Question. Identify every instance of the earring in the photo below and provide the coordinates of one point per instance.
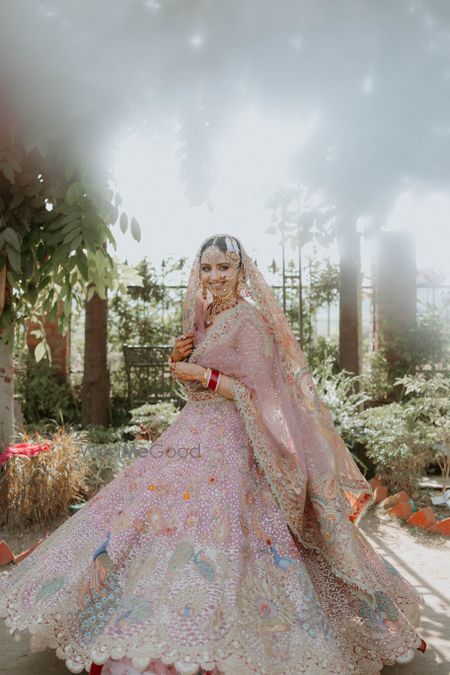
(241, 286)
(203, 291)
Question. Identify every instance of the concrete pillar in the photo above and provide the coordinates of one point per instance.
(394, 294)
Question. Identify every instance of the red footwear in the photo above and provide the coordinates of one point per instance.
(95, 669)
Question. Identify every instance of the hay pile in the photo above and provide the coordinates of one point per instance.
(34, 490)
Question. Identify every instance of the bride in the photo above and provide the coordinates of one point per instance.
(233, 545)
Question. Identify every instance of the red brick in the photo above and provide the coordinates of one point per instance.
(396, 499)
(423, 518)
(380, 493)
(401, 510)
(375, 482)
(6, 555)
(18, 558)
(442, 527)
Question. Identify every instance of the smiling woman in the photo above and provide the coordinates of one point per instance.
(244, 557)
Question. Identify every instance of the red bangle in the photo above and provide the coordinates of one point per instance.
(213, 379)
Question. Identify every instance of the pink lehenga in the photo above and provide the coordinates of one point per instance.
(233, 545)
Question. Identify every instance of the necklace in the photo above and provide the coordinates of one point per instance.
(220, 305)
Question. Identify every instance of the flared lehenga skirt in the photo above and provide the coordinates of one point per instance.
(185, 561)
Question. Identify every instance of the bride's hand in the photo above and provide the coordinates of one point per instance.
(187, 372)
(184, 345)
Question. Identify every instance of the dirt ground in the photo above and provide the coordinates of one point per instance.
(424, 559)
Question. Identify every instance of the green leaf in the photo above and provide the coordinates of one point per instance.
(77, 242)
(135, 229)
(70, 236)
(117, 199)
(16, 200)
(74, 225)
(123, 222)
(82, 264)
(91, 291)
(52, 313)
(61, 253)
(73, 194)
(10, 236)
(67, 305)
(39, 351)
(110, 236)
(14, 258)
(69, 217)
(9, 172)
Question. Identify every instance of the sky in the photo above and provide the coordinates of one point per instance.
(251, 158)
(200, 109)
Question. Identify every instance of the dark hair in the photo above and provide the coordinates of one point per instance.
(222, 245)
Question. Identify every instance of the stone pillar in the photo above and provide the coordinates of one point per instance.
(350, 327)
(394, 294)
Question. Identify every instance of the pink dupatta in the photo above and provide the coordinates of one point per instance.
(310, 470)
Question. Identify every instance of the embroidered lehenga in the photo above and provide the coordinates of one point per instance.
(233, 545)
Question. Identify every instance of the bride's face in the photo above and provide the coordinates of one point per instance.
(217, 274)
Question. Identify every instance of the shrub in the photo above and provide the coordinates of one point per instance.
(151, 419)
(394, 443)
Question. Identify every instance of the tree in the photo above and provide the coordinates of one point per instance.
(55, 224)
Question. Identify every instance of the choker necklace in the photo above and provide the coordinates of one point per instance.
(218, 306)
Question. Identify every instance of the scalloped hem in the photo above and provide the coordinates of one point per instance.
(233, 664)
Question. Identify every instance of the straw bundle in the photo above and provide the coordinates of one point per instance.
(34, 490)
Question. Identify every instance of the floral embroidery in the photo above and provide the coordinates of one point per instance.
(191, 520)
(204, 565)
(50, 588)
(379, 613)
(134, 609)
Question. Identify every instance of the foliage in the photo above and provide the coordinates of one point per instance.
(430, 404)
(99, 434)
(55, 223)
(403, 438)
(43, 395)
(394, 444)
(152, 419)
(103, 462)
(345, 399)
(148, 312)
(145, 313)
(425, 347)
(300, 216)
(320, 350)
(376, 378)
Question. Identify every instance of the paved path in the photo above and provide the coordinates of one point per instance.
(423, 559)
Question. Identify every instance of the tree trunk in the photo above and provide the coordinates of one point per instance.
(395, 297)
(95, 390)
(350, 340)
(6, 396)
(6, 373)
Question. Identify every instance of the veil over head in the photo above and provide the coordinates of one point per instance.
(309, 468)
